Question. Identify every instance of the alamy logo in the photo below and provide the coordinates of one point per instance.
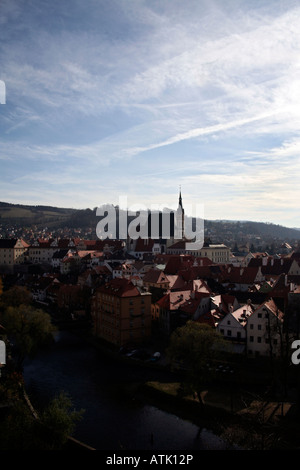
(2, 92)
(296, 354)
(189, 228)
(2, 353)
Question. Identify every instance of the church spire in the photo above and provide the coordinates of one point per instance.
(180, 218)
(180, 198)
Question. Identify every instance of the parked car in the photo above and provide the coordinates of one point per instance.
(155, 357)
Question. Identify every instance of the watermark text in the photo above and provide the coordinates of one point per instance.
(138, 221)
(2, 92)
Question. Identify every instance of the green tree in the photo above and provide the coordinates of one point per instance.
(21, 430)
(30, 328)
(194, 346)
(15, 296)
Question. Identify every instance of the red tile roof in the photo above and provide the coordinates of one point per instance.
(120, 287)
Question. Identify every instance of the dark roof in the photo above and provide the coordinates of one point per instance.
(8, 242)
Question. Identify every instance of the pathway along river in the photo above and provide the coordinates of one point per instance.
(112, 420)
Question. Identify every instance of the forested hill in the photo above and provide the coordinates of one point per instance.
(19, 215)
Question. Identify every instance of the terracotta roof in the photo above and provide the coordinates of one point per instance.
(278, 266)
(272, 307)
(155, 276)
(173, 300)
(191, 304)
(178, 262)
(120, 287)
(239, 275)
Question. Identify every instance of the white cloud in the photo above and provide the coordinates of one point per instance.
(163, 90)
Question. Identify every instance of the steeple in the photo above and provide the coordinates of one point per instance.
(180, 198)
(180, 217)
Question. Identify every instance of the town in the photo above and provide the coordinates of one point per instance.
(128, 289)
(133, 294)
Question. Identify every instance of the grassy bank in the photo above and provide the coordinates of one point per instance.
(235, 419)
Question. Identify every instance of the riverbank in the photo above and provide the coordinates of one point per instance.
(130, 399)
(257, 426)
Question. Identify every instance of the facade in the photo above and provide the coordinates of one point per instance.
(233, 325)
(217, 253)
(12, 251)
(156, 278)
(121, 313)
(264, 327)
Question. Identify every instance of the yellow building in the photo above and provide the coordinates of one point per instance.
(218, 253)
(12, 251)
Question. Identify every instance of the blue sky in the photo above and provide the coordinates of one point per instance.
(110, 98)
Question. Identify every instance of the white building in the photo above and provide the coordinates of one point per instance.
(233, 325)
(263, 330)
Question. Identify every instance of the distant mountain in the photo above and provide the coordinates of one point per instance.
(21, 216)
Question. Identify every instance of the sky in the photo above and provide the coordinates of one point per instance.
(102, 99)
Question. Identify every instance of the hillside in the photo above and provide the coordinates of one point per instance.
(21, 216)
(24, 215)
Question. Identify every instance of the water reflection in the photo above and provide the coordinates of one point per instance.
(112, 420)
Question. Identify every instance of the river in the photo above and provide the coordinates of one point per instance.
(112, 420)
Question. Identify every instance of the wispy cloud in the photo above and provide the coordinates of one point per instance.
(202, 93)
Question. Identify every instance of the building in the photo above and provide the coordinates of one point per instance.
(217, 253)
(156, 278)
(264, 329)
(13, 251)
(121, 313)
(233, 325)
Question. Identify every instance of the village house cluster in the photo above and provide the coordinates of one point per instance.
(131, 290)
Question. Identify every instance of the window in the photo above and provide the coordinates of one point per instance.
(251, 326)
(251, 339)
(259, 315)
(228, 322)
(259, 327)
(259, 339)
(228, 332)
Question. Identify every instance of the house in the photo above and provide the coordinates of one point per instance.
(13, 251)
(166, 311)
(233, 325)
(196, 306)
(156, 278)
(217, 253)
(121, 312)
(271, 267)
(242, 279)
(226, 303)
(42, 250)
(143, 246)
(93, 277)
(264, 327)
